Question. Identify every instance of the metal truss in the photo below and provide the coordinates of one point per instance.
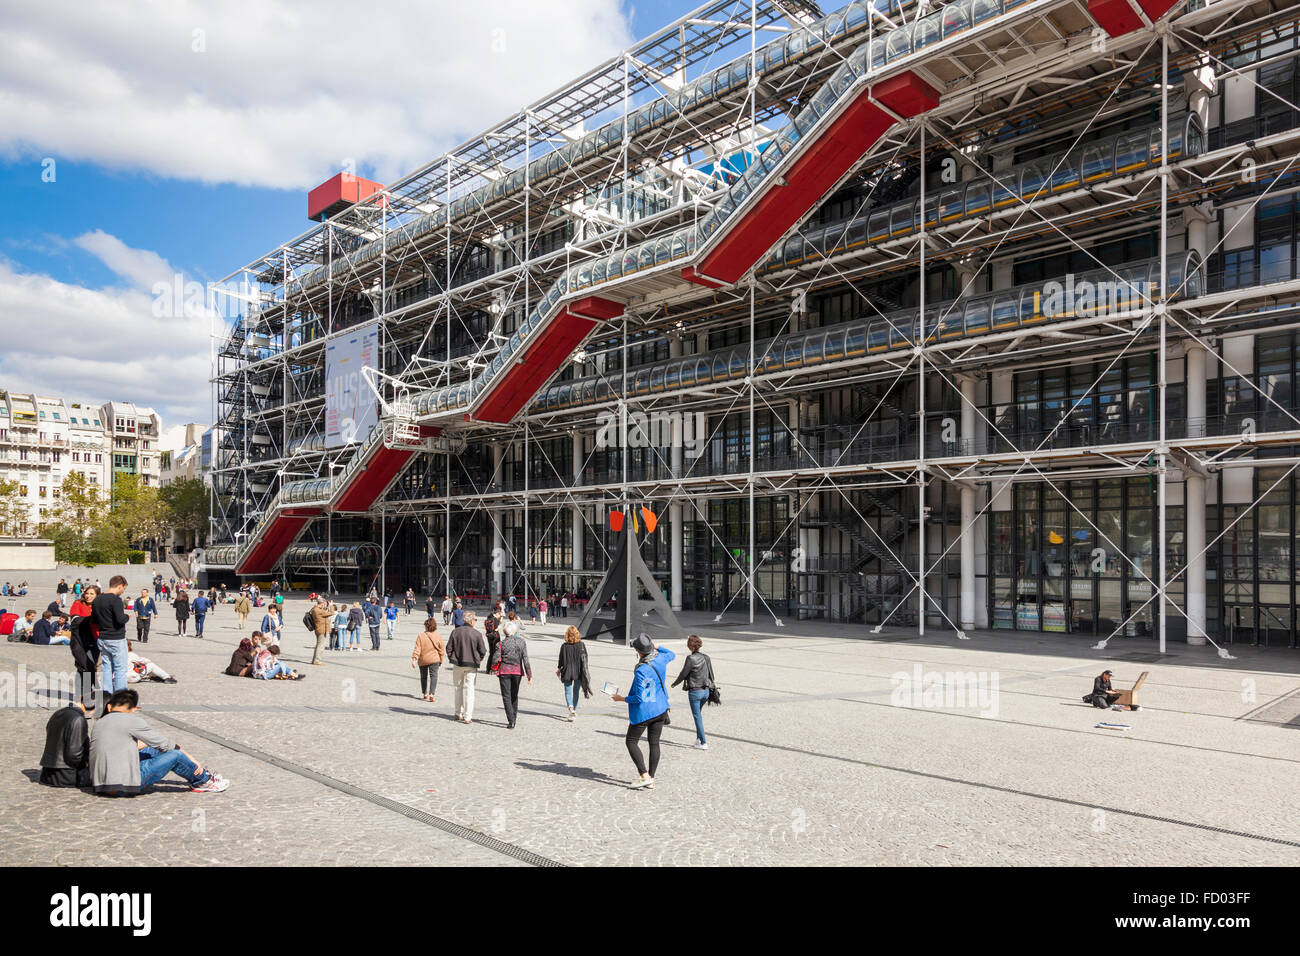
(1051, 83)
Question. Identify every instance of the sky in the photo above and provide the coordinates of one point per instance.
(150, 146)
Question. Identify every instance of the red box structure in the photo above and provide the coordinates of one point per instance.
(338, 193)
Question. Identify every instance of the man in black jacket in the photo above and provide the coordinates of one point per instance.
(465, 650)
(67, 748)
(110, 617)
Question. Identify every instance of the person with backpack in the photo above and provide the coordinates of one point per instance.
(572, 670)
(697, 674)
(202, 604)
(510, 664)
(182, 608)
(243, 607)
(647, 706)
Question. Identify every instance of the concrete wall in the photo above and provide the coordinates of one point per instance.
(26, 554)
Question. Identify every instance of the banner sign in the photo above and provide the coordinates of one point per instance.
(351, 408)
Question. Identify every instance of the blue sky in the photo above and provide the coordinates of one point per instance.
(184, 138)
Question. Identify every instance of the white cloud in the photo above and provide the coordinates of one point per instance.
(283, 92)
(107, 344)
(140, 267)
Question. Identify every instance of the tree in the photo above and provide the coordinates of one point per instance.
(137, 511)
(14, 510)
(188, 505)
(80, 525)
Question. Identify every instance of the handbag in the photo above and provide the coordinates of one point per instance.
(715, 695)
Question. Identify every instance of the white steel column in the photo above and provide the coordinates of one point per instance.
(499, 555)
(1194, 500)
(967, 508)
(678, 439)
(579, 542)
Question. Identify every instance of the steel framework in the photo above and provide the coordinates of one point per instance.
(891, 458)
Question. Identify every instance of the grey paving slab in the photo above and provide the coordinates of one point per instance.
(815, 758)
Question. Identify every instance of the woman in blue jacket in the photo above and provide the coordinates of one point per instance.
(647, 706)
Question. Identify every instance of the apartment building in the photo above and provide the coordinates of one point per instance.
(44, 439)
(132, 436)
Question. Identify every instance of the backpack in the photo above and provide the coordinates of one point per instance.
(309, 621)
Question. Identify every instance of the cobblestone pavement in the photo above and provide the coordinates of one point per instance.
(813, 759)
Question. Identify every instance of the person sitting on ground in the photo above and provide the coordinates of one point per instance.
(24, 626)
(49, 631)
(128, 756)
(142, 668)
(266, 666)
(67, 748)
(241, 661)
(1102, 696)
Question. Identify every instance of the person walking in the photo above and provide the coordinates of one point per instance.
(572, 670)
(542, 608)
(243, 607)
(62, 591)
(492, 632)
(410, 601)
(390, 620)
(564, 605)
(374, 618)
(202, 604)
(647, 706)
(182, 608)
(465, 650)
(511, 665)
(697, 675)
(428, 656)
(446, 610)
(145, 611)
(322, 618)
(85, 644)
(110, 618)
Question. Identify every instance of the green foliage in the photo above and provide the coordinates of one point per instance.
(14, 509)
(188, 504)
(87, 528)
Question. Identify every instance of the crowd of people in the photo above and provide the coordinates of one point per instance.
(95, 628)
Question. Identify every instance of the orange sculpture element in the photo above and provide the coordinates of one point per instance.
(651, 520)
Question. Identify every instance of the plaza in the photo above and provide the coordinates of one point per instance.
(813, 759)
